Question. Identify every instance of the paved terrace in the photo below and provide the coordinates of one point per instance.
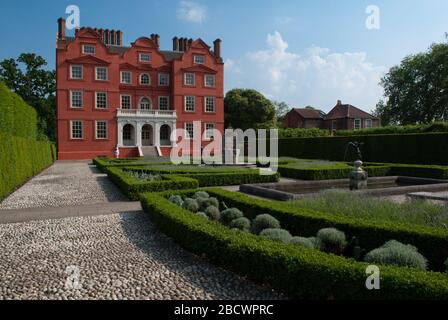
(71, 219)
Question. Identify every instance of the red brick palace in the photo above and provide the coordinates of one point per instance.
(130, 99)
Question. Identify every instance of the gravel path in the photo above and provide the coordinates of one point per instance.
(64, 184)
(121, 256)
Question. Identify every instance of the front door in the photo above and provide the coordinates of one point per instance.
(147, 135)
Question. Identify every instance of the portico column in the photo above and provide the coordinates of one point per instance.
(138, 139)
(173, 134)
(157, 134)
(120, 134)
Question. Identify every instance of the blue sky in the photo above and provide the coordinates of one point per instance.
(300, 52)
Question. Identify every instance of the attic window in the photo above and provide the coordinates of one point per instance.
(199, 59)
(145, 57)
(88, 49)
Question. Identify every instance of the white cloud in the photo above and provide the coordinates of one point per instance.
(319, 77)
(191, 11)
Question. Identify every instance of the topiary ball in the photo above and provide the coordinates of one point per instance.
(177, 200)
(202, 215)
(191, 204)
(229, 215)
(213, 213)
(204, 203)
(201, 194)
(264, 221)
(242, 224)
(279, 235)
(305, 242)
(398, 254)
(332, 240)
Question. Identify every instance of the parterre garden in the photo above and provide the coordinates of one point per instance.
(303, 251)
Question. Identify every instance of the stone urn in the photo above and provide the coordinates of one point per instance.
(358, 177)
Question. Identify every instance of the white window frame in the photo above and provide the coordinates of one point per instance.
(370, 123)
(168, 79)
(96, 130)
(121, 101)
(205, 80)
(71, 129)
(96, 73)
(71, 72)
(149, 79)
(141, 54)
(88, 45)
(198, 56)
(360, 124)
(185, 104)
(206, 136)
(121, 77)
(140, 102)
(185, 79)
(187, 133)
(167, 102)
(71, 99)
(205, 104)
(96, 100)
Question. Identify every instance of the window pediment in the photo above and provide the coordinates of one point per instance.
(88, 59)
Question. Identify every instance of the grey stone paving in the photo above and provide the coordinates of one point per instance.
(119, 256)
(64, 184)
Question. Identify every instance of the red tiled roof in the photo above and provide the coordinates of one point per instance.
(310, 113)
(347, 111)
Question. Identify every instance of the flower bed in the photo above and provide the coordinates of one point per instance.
(299, 271)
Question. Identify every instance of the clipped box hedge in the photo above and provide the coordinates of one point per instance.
(298, 271)
(21, 159)
(425, 148)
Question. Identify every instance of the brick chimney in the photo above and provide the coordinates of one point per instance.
(190, 42)
(339, 102)
(157, 40)
(113, 36)
(181, 44)
(61, 28)
(175, 44)
(119, 38)
(217, 48)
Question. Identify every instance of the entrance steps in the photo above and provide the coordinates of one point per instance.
(150, 151)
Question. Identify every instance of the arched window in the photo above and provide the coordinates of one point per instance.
(165, 133)
(145, 79)
(128, 135)
(145, 104)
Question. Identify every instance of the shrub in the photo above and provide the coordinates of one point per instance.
(279, 235)
(203, 215)
(191, 205)
(306, 242)
(213, 213)
(332, 240)
(399, 254)
(264, 221)
(201, 194)
(229, 215)
(177, 200)
(446, 265)
(242, 224)
(204, 203)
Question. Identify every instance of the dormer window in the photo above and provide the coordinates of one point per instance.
(199, 59)
(145, 57)
(88, 49)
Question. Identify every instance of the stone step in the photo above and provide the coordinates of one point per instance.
(150, 151)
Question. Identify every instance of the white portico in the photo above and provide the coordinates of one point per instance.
(142, 128)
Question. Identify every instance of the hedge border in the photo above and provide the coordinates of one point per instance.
(300, 272)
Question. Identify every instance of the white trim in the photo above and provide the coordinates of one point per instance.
(71, 129)
(140, 101)
(140, 79)
(185, 79)
(146, 54)
(360, 124)
(96, 130)
(71, 71)
(205, 80)
(121, 77)
(199, 56)
(368, 120)
(96, 100)
(158, 80)
(107, 74)
(88, 45)
(130, 100)
(185, 104)
(71, 99)
(186, 132)
(205, 104)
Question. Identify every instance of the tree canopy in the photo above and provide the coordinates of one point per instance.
(416, 91)
(247, 108)
(27, 77)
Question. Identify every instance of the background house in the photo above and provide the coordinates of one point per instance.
(341, 117)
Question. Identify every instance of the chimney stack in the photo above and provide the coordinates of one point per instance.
(113, 36)
(181, 44)
(61, 28)
(190, 42)
(157, 39)
(106, 36)
(339, 102)
(119, 38)
(175, 44)
(185, 44)
(217, 48)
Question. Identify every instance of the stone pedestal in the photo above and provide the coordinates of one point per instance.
(358, 177)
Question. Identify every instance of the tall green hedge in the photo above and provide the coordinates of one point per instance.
(426, 148)
(21, 159)
(16, 117)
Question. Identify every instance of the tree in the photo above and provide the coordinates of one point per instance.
(247, 108)
(416, 91)
(281, 109)
(26, 77)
